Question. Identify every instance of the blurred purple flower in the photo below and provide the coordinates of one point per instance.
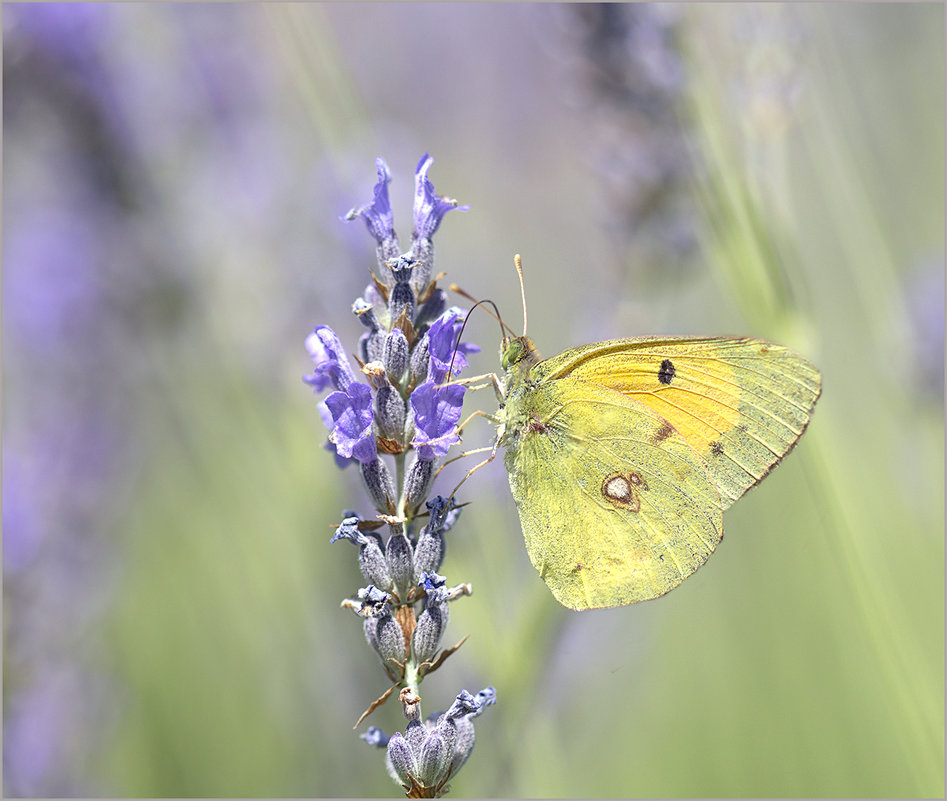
(352, 432)
(51, 258)
(436, 412)
(332, 365)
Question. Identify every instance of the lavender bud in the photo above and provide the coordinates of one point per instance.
(434, 760)
(371, 561)
(370, 628)
(402, 300)
(420, 360)
(463, 744)
(381, 488)
(395, 355)
(418, 482)
(400, 557)
(374, 338)
(402, 760)
(429, 630)
(390, 643)
(371, 558)
(431, 547)
(423, 252)
(388, 407)
(390, 413)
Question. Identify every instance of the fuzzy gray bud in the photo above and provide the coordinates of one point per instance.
(433, 761)
(390, 640)
(381, 488)
(401, 758)
(422, 250)
(417, 483)
(402, 300)
(400, 557)
(371, 558)
(429, 629)
(395, 355)
(373, 341)
(420, 360)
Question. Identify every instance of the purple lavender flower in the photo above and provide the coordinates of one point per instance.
(436, 412)
(332, 365)
(429, 208)
(378, 215)
(443, 346)
(352, 431)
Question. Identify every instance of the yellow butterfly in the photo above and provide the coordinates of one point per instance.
(623, 455)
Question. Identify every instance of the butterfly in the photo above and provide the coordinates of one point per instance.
(623, 455)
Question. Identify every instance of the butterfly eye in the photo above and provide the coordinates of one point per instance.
(512, 353)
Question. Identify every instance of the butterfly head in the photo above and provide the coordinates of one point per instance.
(518, 353)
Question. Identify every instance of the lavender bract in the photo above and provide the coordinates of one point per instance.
(404, 402)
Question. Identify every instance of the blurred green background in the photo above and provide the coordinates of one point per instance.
(173, 181)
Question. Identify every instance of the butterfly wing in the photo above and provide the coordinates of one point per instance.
(740, 403)
(615, 506)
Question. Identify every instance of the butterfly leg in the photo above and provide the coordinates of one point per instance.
(492, 418)
(472, 470)
(488, 379)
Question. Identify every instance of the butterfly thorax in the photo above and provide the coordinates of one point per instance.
(517, 357)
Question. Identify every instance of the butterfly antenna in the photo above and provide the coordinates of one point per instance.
(495, 314)
(518, 263)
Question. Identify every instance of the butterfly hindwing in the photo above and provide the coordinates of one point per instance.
(740, 403)
(615, 505)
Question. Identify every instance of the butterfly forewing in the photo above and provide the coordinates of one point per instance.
(740, 403)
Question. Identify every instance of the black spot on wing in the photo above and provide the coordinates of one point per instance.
(667, 371)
